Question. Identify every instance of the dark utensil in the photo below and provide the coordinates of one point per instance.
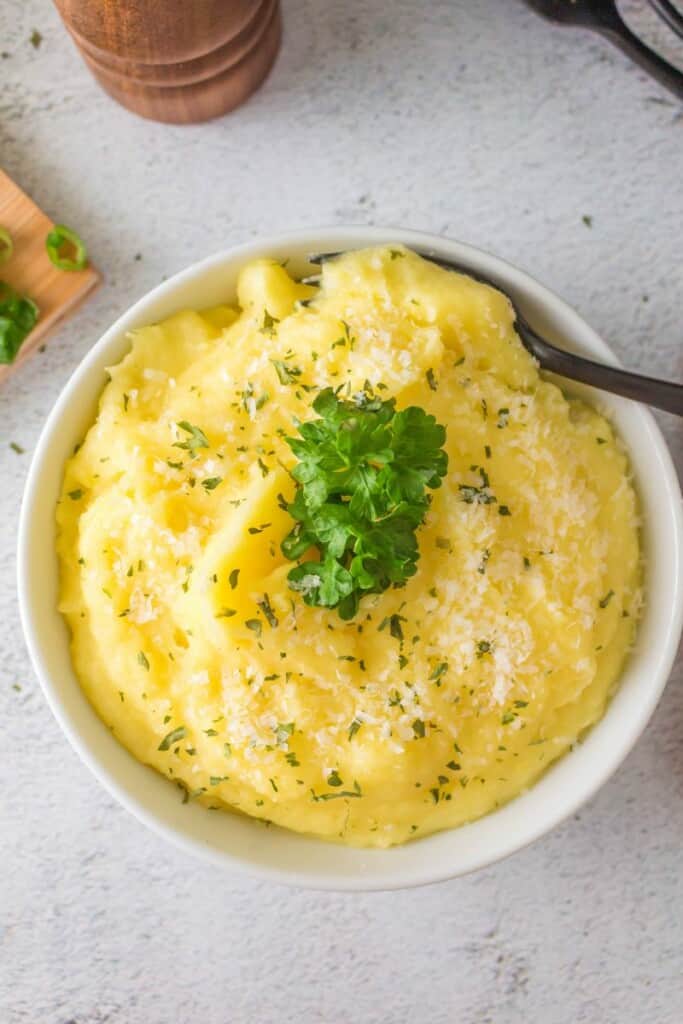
(661, 394)
(602, 16)
(669, 14)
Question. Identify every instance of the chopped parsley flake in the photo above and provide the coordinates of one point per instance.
(259, 529)
(439, 671)
(283, 730)
(172, 737)
(354, 727)
(268, 325)
(212, 483)
(197, 439)
(484, 647)
(286, 374)
(266, 608)
(394, 624)
(342, 794)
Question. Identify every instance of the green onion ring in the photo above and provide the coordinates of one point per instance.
(56, 238)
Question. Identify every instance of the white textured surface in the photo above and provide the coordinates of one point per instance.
(473, 119)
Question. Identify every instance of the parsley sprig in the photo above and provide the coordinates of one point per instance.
(362, 480)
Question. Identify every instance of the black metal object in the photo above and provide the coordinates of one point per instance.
(603, 16)
(673, 17)
(661, 394)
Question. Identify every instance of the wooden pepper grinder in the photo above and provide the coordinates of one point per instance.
(178, 61)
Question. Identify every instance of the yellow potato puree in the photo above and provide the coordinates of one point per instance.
(441, 699)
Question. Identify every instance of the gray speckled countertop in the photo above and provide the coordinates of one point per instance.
(473, 119)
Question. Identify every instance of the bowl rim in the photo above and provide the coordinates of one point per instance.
(512, 278)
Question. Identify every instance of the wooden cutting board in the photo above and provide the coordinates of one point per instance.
(29, 271)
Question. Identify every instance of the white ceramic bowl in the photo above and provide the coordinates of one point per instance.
(237, 842)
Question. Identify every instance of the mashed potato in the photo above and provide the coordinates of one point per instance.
(441, 700)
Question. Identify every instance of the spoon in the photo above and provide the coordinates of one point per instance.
(662, 394)
(666, 10)
(603, 16)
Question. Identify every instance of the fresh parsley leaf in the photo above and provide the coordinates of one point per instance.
(362, 476)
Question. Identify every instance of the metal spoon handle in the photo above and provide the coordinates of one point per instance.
(621, 35)
(666, 10)
(661, 394)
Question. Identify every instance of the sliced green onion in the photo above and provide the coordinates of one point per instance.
(18, 316)
(6, 245)
(62, 236)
